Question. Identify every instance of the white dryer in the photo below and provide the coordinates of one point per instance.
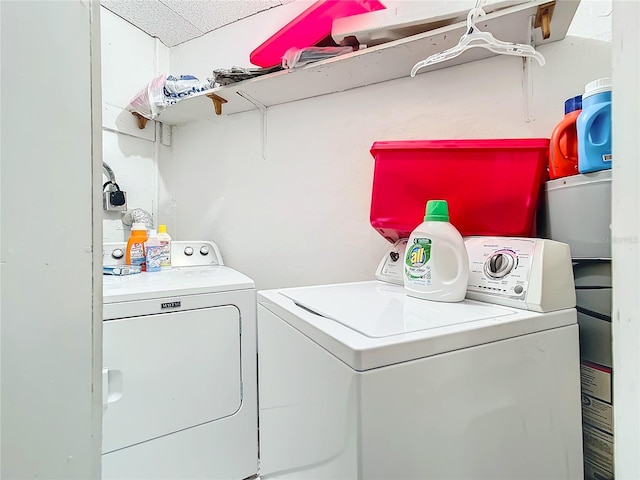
(179, 370)
(360, 381)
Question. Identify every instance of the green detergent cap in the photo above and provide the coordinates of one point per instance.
(437, 211)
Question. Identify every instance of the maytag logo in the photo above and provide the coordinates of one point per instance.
(170, 305)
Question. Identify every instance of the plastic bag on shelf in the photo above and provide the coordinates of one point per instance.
(177, 88)
(297, 57)
(163, 91)
(149, 101)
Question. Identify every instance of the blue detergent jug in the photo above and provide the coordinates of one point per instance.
(594, 127)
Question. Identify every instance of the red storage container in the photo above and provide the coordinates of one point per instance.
(308, 28)
(491, 186)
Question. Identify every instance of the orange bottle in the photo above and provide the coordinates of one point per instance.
(135, 254)
(563, 145)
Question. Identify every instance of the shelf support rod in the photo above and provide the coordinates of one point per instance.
(263, 111)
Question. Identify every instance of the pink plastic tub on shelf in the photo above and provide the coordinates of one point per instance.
(491, 186)
(308, 28)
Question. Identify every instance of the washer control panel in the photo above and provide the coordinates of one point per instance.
(528, 273)
(500, 266)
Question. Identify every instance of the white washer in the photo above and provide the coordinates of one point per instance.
(179, 370)
(360, 381)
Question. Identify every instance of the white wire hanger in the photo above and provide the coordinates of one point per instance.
(473, 37)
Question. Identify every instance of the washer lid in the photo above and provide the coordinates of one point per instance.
(383, 312)
(373, 324)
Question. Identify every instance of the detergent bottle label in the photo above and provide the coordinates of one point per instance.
(417, 260)
(166, 253)
(154, 258)
(137, 254)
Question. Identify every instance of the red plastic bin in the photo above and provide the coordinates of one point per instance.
(491, 186)
(308, 28)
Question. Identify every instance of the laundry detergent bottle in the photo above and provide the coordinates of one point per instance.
(436, 263)
(135, 254)
(563, 144)
(153, 252)
(165, 241)
(594, 127)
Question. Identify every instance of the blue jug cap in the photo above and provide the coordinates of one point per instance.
(573, 104)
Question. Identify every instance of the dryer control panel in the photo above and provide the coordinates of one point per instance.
(529, 273)
(183, 254)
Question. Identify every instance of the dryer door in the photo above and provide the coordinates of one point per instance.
(168, 372)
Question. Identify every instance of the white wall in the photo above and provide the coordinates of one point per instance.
(51, 229)
(593, 19)
(302, 215)
(626, 235)
(130, 59)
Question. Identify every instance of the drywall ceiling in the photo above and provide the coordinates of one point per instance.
(176, 21)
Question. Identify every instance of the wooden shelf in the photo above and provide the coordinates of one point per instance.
(377, 64)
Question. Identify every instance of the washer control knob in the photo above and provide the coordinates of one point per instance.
(518, 289)
(188, 251)
(499, 265)
(117, 253)
(204, 250)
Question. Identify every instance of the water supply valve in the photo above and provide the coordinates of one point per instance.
(113, 198)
